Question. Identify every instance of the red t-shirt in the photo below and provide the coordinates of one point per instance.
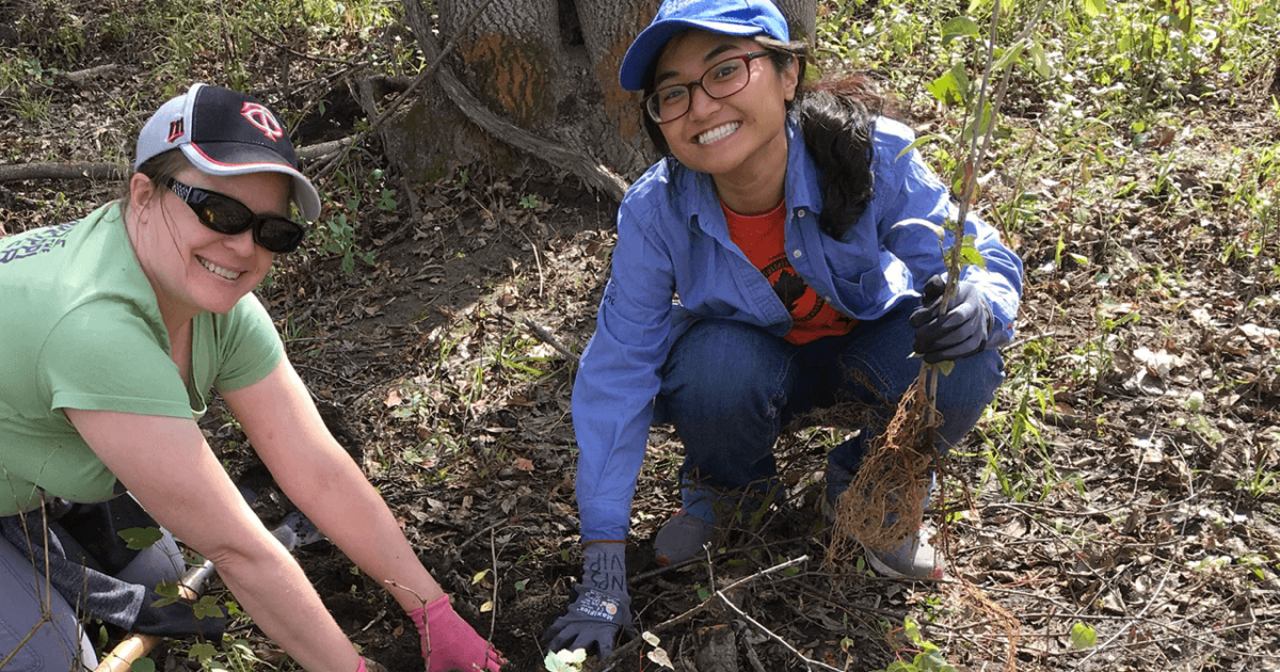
(763, 239)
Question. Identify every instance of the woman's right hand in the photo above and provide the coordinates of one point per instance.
(448, 642)
(175, 476)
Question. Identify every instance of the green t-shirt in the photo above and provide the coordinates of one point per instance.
(80, 328)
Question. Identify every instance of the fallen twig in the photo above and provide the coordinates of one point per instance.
(620, 652)
(810, 663)
(550, 339)
(61, 171)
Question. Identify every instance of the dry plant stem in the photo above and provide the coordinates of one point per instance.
(1141, 613)
(547, 337)
(809, 663)
(634, 644)
(60, 171)
(426, 635)
(46, 609)
(493, 613)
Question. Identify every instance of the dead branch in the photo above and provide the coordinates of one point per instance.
(809, 662)
(82, 78)
(325, 149)
(16, 172)
(577, 162)
(620, 653)
(550, 339)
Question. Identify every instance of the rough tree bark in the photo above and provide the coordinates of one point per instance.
(541, 76)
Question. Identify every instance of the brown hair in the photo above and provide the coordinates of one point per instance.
(158, 169)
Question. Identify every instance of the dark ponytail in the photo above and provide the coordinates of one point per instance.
(837, 121)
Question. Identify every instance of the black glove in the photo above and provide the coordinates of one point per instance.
(961, 331)
(603, 606)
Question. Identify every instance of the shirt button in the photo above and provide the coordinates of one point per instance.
(797, 254)
(800, 212)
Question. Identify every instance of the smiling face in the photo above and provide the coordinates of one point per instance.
(193, 268)
(739, 140)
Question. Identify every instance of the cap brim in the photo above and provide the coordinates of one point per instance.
(648, 45)
(236, 158)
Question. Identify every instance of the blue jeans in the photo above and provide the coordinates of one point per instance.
(61, 644)
(729, 388)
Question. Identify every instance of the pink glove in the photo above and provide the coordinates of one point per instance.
(448, 642)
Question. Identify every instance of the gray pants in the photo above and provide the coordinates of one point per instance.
(60, 643)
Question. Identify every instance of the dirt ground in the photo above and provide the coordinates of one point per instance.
(1123, 484)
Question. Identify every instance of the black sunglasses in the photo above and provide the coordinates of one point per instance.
(231, 217)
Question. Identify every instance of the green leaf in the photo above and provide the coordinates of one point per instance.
(1093, 8)
(479, 576)
(203, 652)
(141, 538)
(207, 607)
(1039, 60)
(961, 26)
(947, 89)
(168, 592)
(1010, 56)
(143, 665)
(565, 660)
(1083, 636)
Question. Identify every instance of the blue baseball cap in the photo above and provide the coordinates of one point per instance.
(742, 18)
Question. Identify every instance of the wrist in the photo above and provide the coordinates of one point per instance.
(434, 611)
(594, 542)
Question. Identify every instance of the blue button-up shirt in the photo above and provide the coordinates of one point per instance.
(675, 263)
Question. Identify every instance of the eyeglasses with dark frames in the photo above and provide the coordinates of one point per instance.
(721, 80)
(228, 216)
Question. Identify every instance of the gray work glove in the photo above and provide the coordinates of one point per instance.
(603, 606)
(961, 331)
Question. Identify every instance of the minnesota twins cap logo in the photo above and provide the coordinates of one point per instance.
(262, 119)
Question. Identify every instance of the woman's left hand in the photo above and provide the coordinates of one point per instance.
(448, 642)
(961, 331)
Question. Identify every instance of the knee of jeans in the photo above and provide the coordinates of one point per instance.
(961, 403)
(159, 563)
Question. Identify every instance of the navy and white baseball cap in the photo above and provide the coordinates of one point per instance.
(225, 132)
(741, 18)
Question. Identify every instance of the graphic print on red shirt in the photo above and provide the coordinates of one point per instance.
(763, 239)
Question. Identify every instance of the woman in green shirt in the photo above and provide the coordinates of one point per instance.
(115, 329)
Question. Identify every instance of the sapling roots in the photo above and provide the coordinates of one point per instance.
(884, 504)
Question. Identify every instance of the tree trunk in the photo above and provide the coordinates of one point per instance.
(542, 77)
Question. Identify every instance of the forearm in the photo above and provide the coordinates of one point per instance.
(270, 586)
(355, 518)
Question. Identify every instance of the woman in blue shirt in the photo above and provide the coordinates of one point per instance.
(766, 267)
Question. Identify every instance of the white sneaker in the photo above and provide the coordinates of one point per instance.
(914, 559)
